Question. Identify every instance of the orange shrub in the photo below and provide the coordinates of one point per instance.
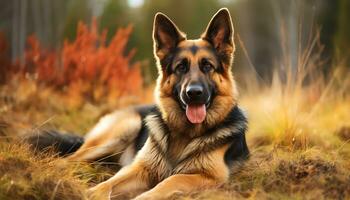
(87, 67)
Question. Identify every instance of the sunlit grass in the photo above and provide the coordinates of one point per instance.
(25, 176)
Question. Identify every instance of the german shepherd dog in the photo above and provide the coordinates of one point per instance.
(193, 136)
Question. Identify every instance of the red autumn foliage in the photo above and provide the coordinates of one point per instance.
(39, 62)
(87, 67)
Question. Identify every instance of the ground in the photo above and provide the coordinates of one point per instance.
(298, 137)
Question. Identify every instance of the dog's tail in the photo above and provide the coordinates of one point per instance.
(62, 143)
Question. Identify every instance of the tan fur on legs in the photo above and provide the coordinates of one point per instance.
(177, 183)
(111, 135)
(130, 180)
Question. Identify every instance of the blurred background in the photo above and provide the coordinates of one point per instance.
(99, 52)
(260, 25)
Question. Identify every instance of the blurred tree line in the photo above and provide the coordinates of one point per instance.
(262, 26)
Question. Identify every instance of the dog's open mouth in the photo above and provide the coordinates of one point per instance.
(196, 113)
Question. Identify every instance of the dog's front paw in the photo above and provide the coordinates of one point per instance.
(99, 193)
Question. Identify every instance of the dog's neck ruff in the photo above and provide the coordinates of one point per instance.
(233, 126)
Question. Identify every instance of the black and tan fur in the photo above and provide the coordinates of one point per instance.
(161, 152)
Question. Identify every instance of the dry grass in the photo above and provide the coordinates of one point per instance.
(24, 176)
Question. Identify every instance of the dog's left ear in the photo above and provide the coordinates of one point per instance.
(219, 33)
(166, 35)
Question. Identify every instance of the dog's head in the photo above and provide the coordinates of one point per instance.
(195, 84)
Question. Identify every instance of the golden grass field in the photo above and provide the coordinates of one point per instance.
(299, 138)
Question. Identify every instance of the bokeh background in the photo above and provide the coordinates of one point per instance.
(261, 25)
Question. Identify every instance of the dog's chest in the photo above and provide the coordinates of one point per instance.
(169, 155)
(177, 157)
(176, 147)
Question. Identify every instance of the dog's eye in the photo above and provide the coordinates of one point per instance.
(181, 68)
(206, 66)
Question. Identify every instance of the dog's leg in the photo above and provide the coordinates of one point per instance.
(130, 180)
(179, 183)
(214, 172)
(111, 135)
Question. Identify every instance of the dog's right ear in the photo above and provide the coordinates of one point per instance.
(166, 36)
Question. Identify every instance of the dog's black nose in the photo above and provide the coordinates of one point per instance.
(194, 90)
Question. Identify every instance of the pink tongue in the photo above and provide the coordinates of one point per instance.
(196, 113)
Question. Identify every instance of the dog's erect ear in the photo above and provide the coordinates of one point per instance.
(219, 33)
(166, 35)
